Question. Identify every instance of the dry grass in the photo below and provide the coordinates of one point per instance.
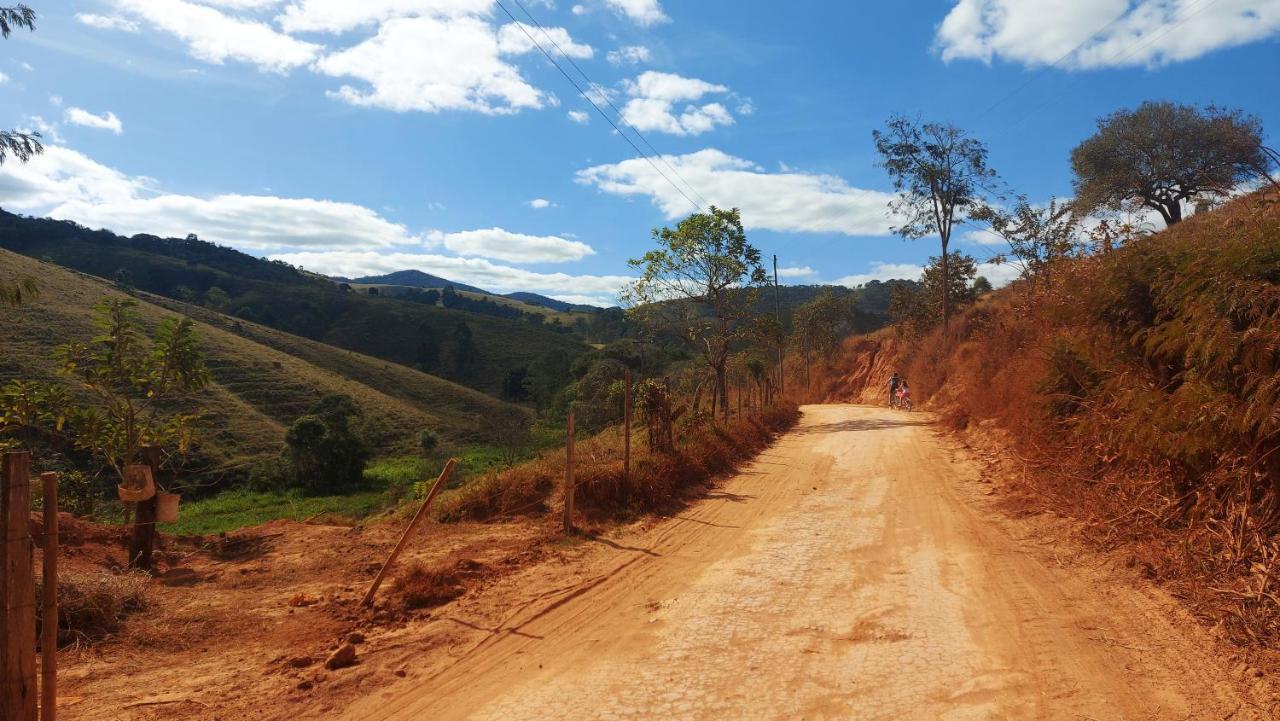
(1141, 395)
(656, 480)
(92, 605)
(419, 586)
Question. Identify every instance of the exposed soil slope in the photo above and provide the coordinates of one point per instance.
(858, 569)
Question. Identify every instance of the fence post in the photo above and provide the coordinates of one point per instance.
(626, 429)
(49, 593)
(568, 478)
(404, 537)
(17, 555)
(144, 517)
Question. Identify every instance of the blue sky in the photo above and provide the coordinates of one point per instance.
(360, 137)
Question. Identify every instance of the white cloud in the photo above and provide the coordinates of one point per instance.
(579, 10)
(431, 64)
(107, 22)
(3, 78)
(788, 201)
(63, 183)
(1109, 33)
(1000, 275)
(654, 96)
(215, 37)
(514, 39)
(500, 244)
(800, 272)
(473, 271)
(629, 55)
(47, 130)
(337, 16)
(541, 203)
(644, 13)
(109, 121)
(580, 117)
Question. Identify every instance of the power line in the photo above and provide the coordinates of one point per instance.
(587, 97)
(603, 94)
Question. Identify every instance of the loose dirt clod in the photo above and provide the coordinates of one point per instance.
(345, 656)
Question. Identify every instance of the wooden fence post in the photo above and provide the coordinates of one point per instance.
(404, 537)
(49, 593)
(626, 429)
(17, 555)
(144, 517)
(568, 478)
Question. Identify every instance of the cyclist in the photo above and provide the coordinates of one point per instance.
(904, 395)
(893, 390)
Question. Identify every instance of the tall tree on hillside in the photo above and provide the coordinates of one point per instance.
(941, 176)
(1038, 236)
(918, 308)
(465, 354)
(819, 325)
(701, 283)
(21, 145)
(1164, 154)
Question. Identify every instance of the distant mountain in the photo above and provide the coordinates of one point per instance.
(417, 279)
(559, 306)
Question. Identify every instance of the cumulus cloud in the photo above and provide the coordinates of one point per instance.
(107, 121)
(541, 203)
(215, 37)
(797, 272)
(1000, 274)
(654, 99)
(433, 64)
(337, 16)
(580, 117)
(500, 244)
(629, 55)
(473, 271)
(1102, 33)
(645, 13)
(517, 38)
(107, 22)
(785, 201)
(64, 183)
(3, 78)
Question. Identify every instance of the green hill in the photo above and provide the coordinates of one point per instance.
(262, 378)
(277, 295)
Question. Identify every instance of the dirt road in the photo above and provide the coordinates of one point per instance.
(857, 570)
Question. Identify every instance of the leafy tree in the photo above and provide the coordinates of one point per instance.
(1164, 154)
(20, 145)
(427, 355)
(324, 449)
(465, 354)
(940, 175)
(819, 325)
(548, 373)
(428, 441)
(1038, 237)
(918, 308)
(981, 286)
(134, 384)
(515, 385)
(701, 283)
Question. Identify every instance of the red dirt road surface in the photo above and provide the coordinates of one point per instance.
(857, 570)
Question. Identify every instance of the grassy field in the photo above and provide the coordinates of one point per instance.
(262, 378)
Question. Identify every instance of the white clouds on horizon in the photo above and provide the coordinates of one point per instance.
(1102, 33)
(645, 13)
(1000, 274)
(786, 201)
(84, 118)
(107, 22)
(499, 244)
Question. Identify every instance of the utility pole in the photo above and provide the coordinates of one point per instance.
(777, 316)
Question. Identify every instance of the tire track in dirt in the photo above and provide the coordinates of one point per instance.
(850, 572)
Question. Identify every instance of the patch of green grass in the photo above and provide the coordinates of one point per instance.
(234, 509)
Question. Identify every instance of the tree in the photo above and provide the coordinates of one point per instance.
(134, 385)
(427, 354)
(701, 282)
(819, 325)
(21, 145)
(916, 309)
(465, 354)
(1164, 154)
(324, 450)
(1038, 237)
(515, 385)
(940, 175)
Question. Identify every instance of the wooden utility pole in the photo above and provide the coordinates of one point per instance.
(626, 428)
(49, 594)
(404, 537)
(17, 586)
(568, 477)
(144, 516)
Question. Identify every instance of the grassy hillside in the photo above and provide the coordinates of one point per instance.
(263, 378)
(1139, 391)
(292, 300)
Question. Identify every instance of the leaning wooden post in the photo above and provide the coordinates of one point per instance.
(404, 537)
(626, 428)
(568, 478)
(17, 555)
(49, 593)
(144, 517)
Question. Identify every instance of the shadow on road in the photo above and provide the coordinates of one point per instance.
(862, 424)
